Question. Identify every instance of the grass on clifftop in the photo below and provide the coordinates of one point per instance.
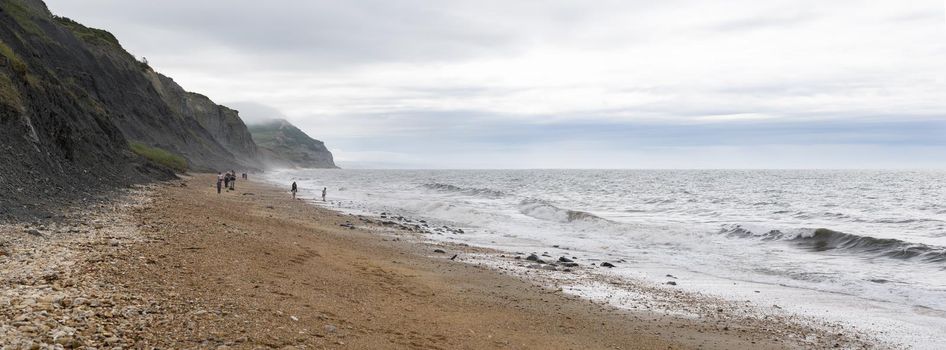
(90, 35)
(160, 156)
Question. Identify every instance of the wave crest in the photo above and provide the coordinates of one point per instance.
(544, 211)
(486, 192)
(823, 239)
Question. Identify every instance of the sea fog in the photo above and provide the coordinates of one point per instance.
(865, 243)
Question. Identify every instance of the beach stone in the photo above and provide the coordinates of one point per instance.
(330, 328)
(565, 260)
(607, 264)
(441, 251)
(672, 283)
(533, 257)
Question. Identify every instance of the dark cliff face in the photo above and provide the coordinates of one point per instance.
(222, 124)
(283, 145)
(71, 100)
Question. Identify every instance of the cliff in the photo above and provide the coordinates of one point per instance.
(283, 145)
(73, 101)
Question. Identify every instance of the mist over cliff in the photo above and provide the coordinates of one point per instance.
(281, 144)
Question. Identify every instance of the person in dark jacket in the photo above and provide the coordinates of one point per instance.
(294, 190)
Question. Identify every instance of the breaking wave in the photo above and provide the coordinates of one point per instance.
(544, 211)
(824, 240)
(486, 192)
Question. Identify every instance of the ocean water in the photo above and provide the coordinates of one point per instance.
(838, 240)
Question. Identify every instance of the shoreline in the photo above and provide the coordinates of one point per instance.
(176, 265)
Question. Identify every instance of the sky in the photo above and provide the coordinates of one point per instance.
(564, 83)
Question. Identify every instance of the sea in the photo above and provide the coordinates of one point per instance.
(865, 248)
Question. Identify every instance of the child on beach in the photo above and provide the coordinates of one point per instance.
(293, 190)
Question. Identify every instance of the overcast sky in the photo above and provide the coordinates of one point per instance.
(565, 84)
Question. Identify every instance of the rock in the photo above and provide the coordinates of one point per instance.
(439, 251)
(67, 342)
(454, 257)
(34, 232)
(533, 257)
(671, 276)
(294, 318)
(50, 276)
(565, 260)
(607, 264)
(672, 283)
(330, 328)
(571, 264)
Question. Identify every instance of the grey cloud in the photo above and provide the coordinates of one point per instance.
(336, 68)
(765, 21)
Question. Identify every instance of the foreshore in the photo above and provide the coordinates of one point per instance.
(176, 265)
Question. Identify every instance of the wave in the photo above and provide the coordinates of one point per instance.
(486, 192)
(824, 240)
(544, 211)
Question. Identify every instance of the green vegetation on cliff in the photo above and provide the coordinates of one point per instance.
(8, 94)
(90, 35)
(22, 15)
(160, 156)
(15, 62)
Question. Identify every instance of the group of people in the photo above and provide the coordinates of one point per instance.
(295, 188)
(227, 180)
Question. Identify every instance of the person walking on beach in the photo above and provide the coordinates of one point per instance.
(293, 190)
(232, 179)
(323, 193)
(219, 181)
(226, 181)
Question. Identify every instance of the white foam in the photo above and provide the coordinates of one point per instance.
(658, 229)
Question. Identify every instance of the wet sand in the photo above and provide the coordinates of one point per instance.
(176, 265)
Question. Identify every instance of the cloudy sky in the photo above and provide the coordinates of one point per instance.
(565, 83)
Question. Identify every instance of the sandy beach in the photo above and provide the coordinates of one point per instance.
(176, 265)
